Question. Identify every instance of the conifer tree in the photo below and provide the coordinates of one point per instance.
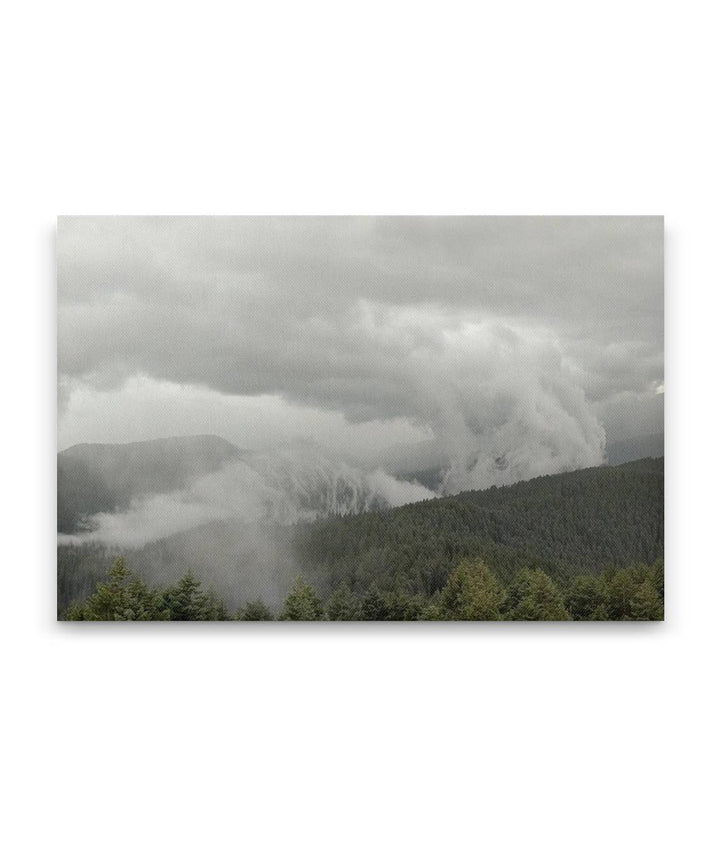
(374, 607)
(621, 590)
(657, 576)
(254, 610)
(533, 596)
(302, 604)
(343, 605)
(123, 597)
(433, 609)
(186, 601)
(401, 606)
(585, 597)
(472, 593)
(645, 603)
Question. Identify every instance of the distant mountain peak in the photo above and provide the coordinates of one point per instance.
(105, 477)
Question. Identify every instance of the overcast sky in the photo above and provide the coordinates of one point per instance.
(360, 332)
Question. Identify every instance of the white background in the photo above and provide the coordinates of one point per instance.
(356, 740)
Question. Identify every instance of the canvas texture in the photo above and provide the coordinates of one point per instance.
(334, 419)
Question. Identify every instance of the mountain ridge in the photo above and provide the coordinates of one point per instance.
(106, 477)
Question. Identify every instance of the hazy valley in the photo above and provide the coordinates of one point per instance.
(249, 524)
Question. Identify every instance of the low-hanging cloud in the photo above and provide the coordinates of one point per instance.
(499, 398)
(291, 484)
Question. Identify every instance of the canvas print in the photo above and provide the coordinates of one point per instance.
(360, 419)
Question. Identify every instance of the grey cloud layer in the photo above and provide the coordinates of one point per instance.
(218, 300)
(488, 330)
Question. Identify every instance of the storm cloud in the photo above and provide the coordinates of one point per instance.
(511, 346)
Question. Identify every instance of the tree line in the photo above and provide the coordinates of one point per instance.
(472, 593)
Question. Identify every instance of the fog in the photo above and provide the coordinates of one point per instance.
(231, 525)
(285, 486)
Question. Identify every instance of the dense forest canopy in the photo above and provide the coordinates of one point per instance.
(472, 593)
(584, 545)
(579, 522)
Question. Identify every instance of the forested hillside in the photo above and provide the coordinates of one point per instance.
(565, 524)
(577, 533)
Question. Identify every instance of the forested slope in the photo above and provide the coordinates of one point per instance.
(565, 524)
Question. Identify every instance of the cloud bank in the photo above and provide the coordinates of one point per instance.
(511, 343)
